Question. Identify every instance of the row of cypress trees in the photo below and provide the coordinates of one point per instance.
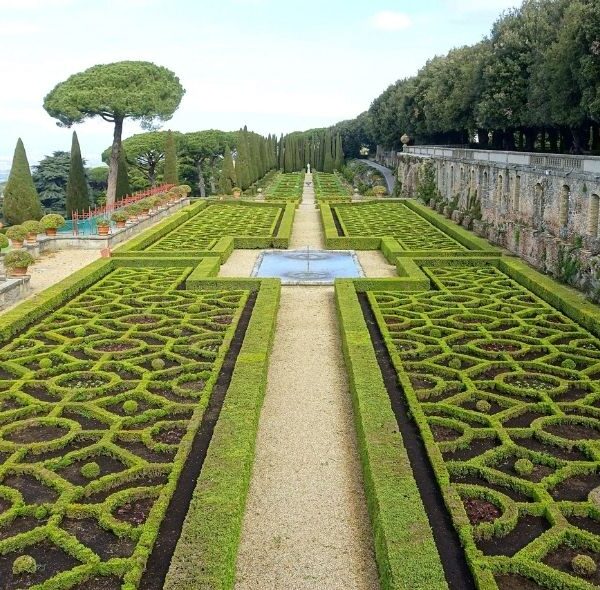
(320, 148)
(21, 199)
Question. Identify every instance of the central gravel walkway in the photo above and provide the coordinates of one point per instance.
(306, 524)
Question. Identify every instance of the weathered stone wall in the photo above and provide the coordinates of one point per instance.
(548, 213)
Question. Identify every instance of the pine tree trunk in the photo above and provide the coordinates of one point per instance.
(543, 141)
(553, 136)
(201, 185)
(152, 175)
(113, 167)
(530, 137)
(483, 138)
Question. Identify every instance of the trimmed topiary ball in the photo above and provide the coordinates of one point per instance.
(130, 407)
(435, 333)
(568, 364)
(45, 363)
(90, 470)
(127, 291)
(41, 512)
(523, 467)
(506, 309)
(158, 364)
(24, 564)
(455, 364)
(194, 308)
(483, 406)
(177, 332)
(79, 331)
(584, 565)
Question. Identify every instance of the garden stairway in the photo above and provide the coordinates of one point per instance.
(306, 524)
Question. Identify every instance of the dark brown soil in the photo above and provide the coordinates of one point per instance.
(21, 524)
(39, 392)
(171, 435)
(538, 473)
(118, 408)
(107, 465)
(196, 386)
(561, 557)
(150, 340)
(500, 347)
(573, 431)
(528, 528)
(136, 512)
(479, 510)
(516, 582)
(76, 444)
(104, 543)
(576, 489)
(114, 347)
(533, 444)
(51, 560)
(477, 447)
(492, 372)
(4, 505)
(141, 450)
(585, 523)
(522, 421)
(35, 433)
(419, 383)
(443, 433)
(33, 491)
(141, 319)
(480, 481)
(494, 407)
(87, 422)
(149, 481)
(573, 394)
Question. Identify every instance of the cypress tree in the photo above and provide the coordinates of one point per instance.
(21, 201)
(122, 177)
(281, 154)
(339, 152)
(227, 179)
(241, 165)
(170, 174)
(78, 196)
(328, 156)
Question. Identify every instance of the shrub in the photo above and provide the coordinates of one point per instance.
(90, 470)
(32, 227)
(130, 406)
(103, 222)
(79, 331)
(45, 363)
(17, 233)
(18, 259)
(185, 189)
(523, 467)
(483, 406)
(119, 215)
(158, 364)
(455, 363)
(583, 565)
(3, 241)
(24, 564)
(379, 191)
(435, 333)
(569, 364)
(52, 221)
(41, 512)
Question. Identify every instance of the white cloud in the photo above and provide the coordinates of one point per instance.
(388, 20)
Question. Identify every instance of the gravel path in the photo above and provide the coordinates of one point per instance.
(374, 264)
(239, 264)
(306, 525)
(390, 179)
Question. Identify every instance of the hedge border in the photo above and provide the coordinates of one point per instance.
(405, 550)
(213, 524)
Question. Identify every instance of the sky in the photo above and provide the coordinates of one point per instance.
(276, 66)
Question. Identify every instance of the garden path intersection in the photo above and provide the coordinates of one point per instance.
(170, 420)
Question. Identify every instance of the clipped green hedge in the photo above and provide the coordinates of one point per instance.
(212, 529)
(404, 547)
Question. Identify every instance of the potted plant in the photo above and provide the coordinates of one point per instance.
(3, 241)
(103, 226)
(17, 235)
(144, 207)
(237, 191)
(17, 261)
(184, 189)
(33, 228)
(133, 211)
(51, 223)
(120, 218)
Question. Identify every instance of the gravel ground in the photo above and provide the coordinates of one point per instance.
(239, 264)
(306, 524)
(374, 264)
(52, 267)
(307, 230)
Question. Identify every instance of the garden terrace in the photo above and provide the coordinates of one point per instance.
(504, 390)
(330, 188)
(286, 187)
(105, 382)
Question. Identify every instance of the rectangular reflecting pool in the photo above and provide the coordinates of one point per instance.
(308, 267)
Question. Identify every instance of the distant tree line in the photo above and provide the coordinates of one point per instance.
(321, 148)
(533, 84)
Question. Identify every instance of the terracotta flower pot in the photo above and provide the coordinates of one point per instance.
(31, 239)
(51, 232)
(103, 230)
(145, 211)
(20, 271)
(121, 224)
(16, 244)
